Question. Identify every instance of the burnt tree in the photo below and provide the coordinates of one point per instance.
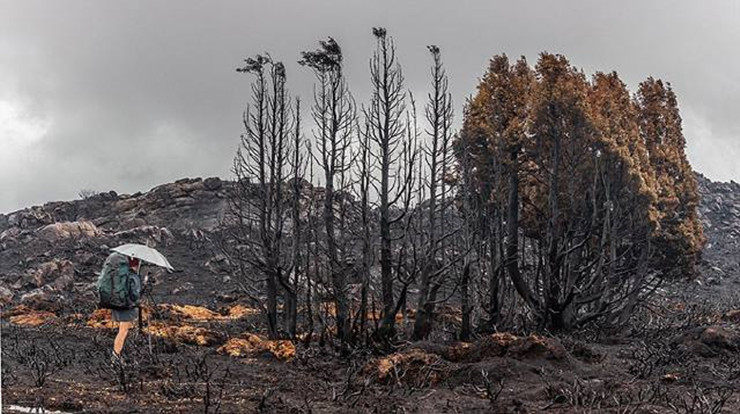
(258, 205)
(386, 130)
(334, 114)
(437, 155)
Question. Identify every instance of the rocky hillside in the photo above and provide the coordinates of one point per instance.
(720, 215)
(52, 253)
(183, 205)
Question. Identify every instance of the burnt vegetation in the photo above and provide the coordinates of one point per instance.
(562, 201)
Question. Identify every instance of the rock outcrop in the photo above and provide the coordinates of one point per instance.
(68, 230)
(58, 273)
(6, 295)
(719, 210)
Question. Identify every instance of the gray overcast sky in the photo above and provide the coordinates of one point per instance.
(129, 95)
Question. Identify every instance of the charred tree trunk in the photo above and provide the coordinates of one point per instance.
(384, 117)
(259, 165)
(334, 113)
(465, 329)
(272, 313)
(438, 113)
(297, 167)
(367, 253)
(512, 235)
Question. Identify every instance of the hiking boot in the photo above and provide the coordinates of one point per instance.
(115, 359)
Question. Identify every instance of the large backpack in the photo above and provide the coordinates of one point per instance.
(118, 287)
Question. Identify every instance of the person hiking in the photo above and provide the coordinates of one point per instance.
(119, 288)
(126, 317)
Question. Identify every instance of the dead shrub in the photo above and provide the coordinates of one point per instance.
(186, 334)
(413, 367)
(719, 337)
(494, 345)
(456, 352)
(701, 400)
(535, 347)
(505, 344)
(581, 394)
(42, 358)
(250, 345)
(584, 352)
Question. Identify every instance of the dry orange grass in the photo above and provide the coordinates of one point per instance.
(101, 319)
(18, 310)
(187, 334)
(25, 316)
(203, 314)
(34, 318)
(174, 322)
(504, 338)
(188, 312)
(241, 311)
(250, 345)
(535, 346)
(413, 366)
(75, 319)
(458, 351)
(505, 344)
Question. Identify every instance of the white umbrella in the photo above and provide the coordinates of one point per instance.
(144, 253)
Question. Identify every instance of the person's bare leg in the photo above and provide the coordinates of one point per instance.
(123, 328)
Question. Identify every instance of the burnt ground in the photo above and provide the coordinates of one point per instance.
(682, 354)
(680, 358)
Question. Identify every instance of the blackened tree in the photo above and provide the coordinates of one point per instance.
(334, 114)
(258, 207)
(385, 118)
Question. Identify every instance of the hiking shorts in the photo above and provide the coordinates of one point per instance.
(127, 315)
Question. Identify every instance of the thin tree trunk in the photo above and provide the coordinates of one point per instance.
(512, 236)
(465, 330)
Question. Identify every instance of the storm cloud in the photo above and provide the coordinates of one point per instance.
(129, 95)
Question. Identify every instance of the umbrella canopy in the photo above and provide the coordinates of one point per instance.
(144, 253)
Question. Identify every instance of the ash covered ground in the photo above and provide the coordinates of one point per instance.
(203, 348)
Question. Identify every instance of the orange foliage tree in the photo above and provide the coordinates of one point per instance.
(679, 237)
(587, 194)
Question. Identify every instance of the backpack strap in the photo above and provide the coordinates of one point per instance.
(129, 304)
(113, 283)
